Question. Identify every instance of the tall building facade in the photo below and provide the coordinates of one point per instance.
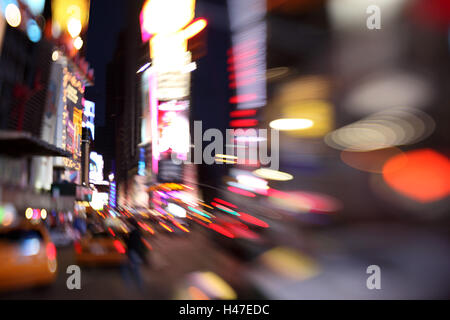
(123, 110)
(42, 81)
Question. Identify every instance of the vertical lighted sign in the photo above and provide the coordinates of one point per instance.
(141, 163)
(89, 117)
(73, 90)
(154, 120)
(247, 68)
(146, 135)
(247, 57)
(112, 194)
(168, 24)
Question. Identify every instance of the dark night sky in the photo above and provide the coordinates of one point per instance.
(210, 84)
(105, 21)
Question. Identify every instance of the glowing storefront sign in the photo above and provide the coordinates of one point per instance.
(99, 200)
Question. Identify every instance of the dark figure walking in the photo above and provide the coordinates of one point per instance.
(136, 252)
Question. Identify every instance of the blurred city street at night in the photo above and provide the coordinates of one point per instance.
(224, 149)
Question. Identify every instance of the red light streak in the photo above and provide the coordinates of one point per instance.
(235, 225)
(221, 230)
(242, 73)
(119, 247)
(148, 245)
(112, 232)
(243, 113)
(251, 219)
(243, 98)
(241, 65)
(224, 203)
(242, 56)
(242, 192)
(243, 123)
(78, 248)
(51, 251)
(277, 193)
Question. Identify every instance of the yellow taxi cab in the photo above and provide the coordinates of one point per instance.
(100, 248)
(27, 256)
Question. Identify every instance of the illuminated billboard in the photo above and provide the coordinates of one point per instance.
(173, 129)
(89, 117)
(73, 91)
(173, 79)
(173, 139)
(169, 24)
(167, 16)
(99, 200)
(96, 164)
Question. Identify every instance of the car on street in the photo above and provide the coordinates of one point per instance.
(27, 257)
(100, 248)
